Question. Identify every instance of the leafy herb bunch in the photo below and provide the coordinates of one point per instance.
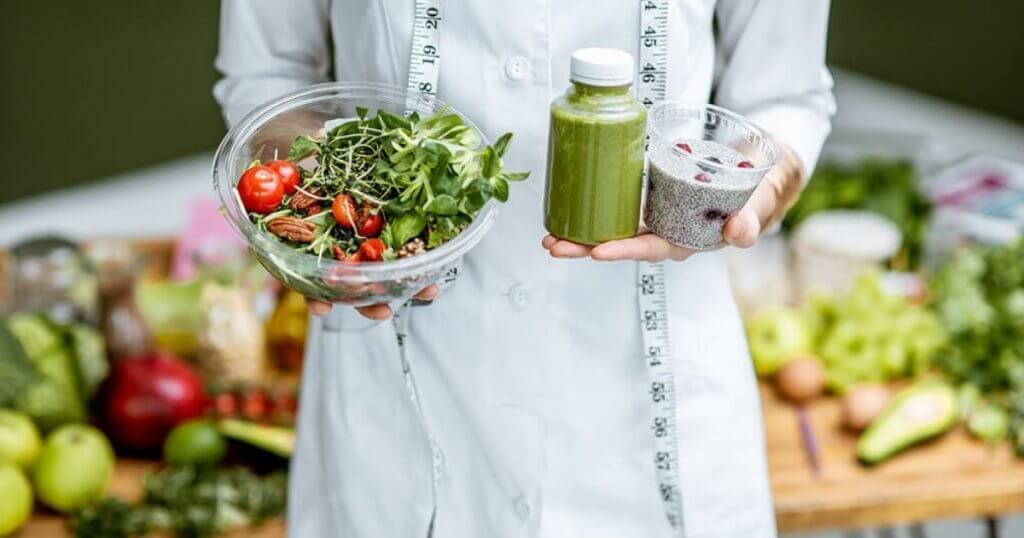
(979, 296)
(187, 502)
(427, 176)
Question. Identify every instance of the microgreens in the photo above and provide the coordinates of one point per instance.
(429, 176)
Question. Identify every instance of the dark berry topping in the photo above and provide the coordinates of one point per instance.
(715, 160)
(715, 214)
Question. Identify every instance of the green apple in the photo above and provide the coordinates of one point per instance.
(19, 439)
(777, 335)
(15, 498)
(74, 467)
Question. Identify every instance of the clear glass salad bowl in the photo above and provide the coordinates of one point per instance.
(268, 132)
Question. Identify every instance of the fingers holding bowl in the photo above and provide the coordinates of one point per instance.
(428, 293)
(376, 312)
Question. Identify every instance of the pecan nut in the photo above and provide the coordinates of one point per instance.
(292, 229)
(412, 248)
(301, 201)
(339, 254)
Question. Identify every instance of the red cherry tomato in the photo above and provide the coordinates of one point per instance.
(344, 210)
(255, 405)
(288, 172)
(261, 189)
(356, 257)
(372, 250)
(225, 404)
(369, 222)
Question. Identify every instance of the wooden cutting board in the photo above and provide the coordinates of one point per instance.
(952, 477)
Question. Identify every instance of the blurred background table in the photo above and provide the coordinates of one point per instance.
(954, 477)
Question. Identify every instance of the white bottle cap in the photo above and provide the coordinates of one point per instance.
(601, 67)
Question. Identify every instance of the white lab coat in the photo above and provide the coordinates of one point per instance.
(529, 370)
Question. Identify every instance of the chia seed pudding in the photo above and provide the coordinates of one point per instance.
(691, 191)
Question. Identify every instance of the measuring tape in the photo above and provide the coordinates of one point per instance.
(651, 293)
(424, 68)
(425, 60)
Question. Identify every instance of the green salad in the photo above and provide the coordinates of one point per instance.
(380, 186)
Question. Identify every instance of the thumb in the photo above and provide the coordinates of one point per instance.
(743, 228)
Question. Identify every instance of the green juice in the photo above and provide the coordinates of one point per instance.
(595, 164)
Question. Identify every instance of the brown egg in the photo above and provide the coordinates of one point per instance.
(801, 380)
(862, 405)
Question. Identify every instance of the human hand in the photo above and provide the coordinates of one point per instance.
(776, 193)
(376, 312)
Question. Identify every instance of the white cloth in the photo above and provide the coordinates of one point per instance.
(529, 369)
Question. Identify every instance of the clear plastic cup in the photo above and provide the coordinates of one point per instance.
(704, 163)
(268, 132)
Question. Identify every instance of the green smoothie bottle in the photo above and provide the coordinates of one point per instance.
(596, 151)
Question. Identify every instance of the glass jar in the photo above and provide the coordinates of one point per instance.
(596, 151)
(51, 275)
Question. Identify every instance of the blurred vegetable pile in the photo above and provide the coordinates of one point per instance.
(870, 335)
(886, 187)
(155, 364)
(187, 501)
(49, 371)
(979, 296)
(862, 336)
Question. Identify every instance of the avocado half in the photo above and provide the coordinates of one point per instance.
(914, 415)
(277, 440)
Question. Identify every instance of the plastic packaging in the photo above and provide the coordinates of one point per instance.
(268, 132)
(705, 163)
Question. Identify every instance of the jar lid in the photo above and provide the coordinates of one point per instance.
(601, 67)
(848, 234)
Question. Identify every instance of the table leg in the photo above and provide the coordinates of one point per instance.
(886, 532)
(992, 527)
(853, 534)
(917, 531)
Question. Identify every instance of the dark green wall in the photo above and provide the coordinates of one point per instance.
(92, 88)
(966, 51)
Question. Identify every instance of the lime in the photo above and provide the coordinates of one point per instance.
(196, 442)
(15, 498)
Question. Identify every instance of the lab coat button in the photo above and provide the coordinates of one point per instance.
(517, 68)
(522, 507)
(519, 296)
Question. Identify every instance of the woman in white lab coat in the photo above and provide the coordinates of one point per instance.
(529, 373)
